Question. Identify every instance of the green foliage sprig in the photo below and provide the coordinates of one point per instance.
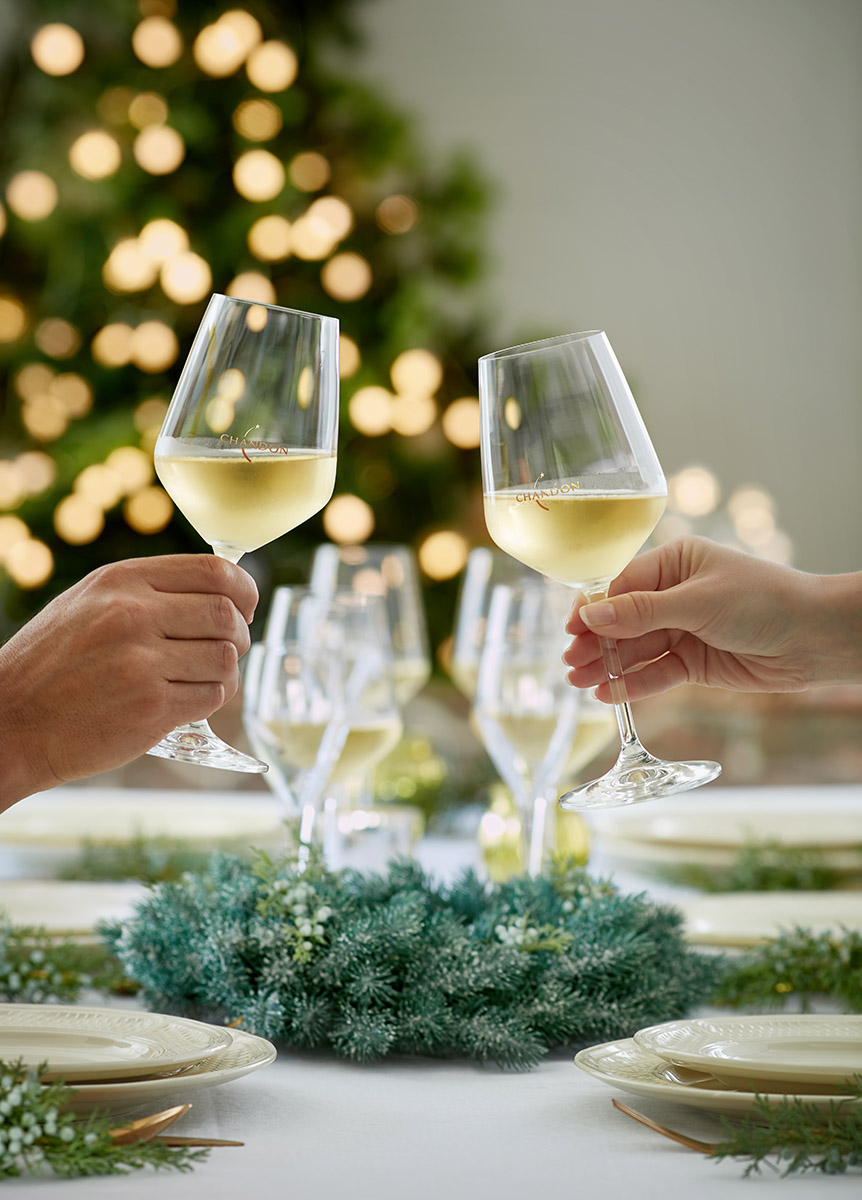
(372, 965)
(763, 867)
(797, 964)
(39, 1136)
(798, 1135)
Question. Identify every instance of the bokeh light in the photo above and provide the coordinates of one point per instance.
(443, 554)
(416, 373)
(99, 485)
(95, 155)
(2, 220)
(257, 120)
(460, 423)
(269, 238)
(128, 268)
(148, 108)
(258, 175)
(57, 338)
(397, 214)
(370, 410)
(348, 519)
(346, 277)
(159, 149)
(250, 285)
(186, 278)
(74, 393)
(77, 520)
(13, 318)
(219, 49)
(309, 171)
(162, 238)
(131, 466)
(12, 531)
(272, 66)
(32, 195)
(30, 563)
(349, 358)
(57, 49)
(157, 42)
(149, 510)
(154, 347)
(693, 491)
(112, 345)
(412, 415)
(36, 471)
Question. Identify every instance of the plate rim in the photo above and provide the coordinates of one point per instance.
(718, 1101)
(662, 1040)
(149, 1024)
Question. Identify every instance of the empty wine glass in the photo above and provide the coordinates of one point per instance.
(485, 568)
(390, 571)
(320, 703)
(247, 449)
(573, 488)
(524, 708)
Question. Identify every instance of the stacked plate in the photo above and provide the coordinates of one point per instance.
(722, 1064)
(118, 1060)
(45, 833)
(709, 829)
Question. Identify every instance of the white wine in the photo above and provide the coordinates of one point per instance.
(365, 744)
(576, 537)
(240, 500)
(596, 729)
(410, 676)
(529, 736)
(465, 676)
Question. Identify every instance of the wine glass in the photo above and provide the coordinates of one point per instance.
(390, 571)
(573, 488)
(485, 568)
(319, 705)
(247, 449)
(524, 708)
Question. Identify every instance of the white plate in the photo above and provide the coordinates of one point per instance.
(245, 1054)
(104, 1043)
(827, 817)
(628, 1067)
(45, 832)
(747, 918)
(798, 1049)
(68, 908)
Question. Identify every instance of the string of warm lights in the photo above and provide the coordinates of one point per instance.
(306, 224)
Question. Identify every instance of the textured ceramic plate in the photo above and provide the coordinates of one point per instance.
(104, 1043)
(746, 918)
(829, 817)
(245, 1054)
(800, 1049)
(628, 1067)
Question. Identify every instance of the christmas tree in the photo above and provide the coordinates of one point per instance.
(150, 156)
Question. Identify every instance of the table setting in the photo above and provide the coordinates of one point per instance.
(425, 1015)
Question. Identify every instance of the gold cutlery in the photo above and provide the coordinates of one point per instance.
(683, 1139)
(146, 1128)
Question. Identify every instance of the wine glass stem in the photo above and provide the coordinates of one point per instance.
(622, 708)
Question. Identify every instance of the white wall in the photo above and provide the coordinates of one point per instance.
(687, 175)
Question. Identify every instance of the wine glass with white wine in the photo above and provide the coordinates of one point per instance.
(247, 449)
(573, 488)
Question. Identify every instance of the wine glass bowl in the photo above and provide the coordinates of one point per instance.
(573, 488)
(247, 449)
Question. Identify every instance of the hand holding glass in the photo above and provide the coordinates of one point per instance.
(573, 488)
(247, 449)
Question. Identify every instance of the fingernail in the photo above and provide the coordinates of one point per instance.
(597, 614)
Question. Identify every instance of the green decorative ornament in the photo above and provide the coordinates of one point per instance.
(372, 965)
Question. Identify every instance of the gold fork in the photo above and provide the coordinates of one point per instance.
(146, 1128)
(683, 1139)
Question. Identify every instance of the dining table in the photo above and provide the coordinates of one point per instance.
(317, 1127)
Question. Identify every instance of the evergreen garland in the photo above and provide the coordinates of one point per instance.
(372, 965)
(798, 965)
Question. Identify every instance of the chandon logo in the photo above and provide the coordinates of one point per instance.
(252, 444)
(538, 494)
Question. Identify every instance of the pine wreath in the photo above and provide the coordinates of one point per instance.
(372, 965)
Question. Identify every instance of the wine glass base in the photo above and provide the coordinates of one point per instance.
(637, 779)
(197, 744)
